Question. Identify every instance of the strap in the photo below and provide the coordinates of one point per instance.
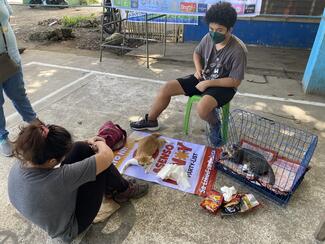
(4, 37)
(125, 135)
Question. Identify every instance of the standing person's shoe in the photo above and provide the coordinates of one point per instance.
(21, 50)
(6, 147)
(145, 124)
(135, 190)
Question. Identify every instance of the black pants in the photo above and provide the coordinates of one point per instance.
(90, 195)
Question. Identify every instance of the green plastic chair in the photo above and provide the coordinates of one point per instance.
(225, 117)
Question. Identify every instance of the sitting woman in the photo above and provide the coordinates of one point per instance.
(64, 200)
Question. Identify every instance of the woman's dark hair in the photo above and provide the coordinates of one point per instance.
(38, 143)
(222, 13)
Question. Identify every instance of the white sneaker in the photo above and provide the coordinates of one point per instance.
(6, 148)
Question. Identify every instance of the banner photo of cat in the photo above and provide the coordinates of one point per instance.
(171, 160)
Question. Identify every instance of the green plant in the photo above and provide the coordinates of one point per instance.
(89, 2)
(92, 2)
(74, 21)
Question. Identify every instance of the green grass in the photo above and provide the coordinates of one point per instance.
(89, 2)
(92, 2)
(74, 21)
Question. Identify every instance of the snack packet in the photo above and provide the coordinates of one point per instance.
(240, 203)
(233, 206)
(212, 202)
(248, 202)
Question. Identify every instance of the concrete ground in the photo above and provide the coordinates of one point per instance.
(80, 93)
(276, 61)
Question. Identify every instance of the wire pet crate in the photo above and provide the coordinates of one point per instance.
(288, 150)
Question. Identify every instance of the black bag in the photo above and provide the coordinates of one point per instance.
(7, 66)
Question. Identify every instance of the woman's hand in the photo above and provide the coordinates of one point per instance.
(101, 146)
(92, 142)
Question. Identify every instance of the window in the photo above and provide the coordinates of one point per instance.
(293, 7)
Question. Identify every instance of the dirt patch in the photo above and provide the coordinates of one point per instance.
(84, 35)
(50, 22)
(88, 39)
(42, 28)
(77, 28)
(57, 34)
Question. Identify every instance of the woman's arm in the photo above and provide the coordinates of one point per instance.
(104, 156)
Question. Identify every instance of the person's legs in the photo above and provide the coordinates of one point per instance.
(114, 181)
(90, 195)
(3, 131)
(182, 86)
(15, 90)
(205, 109)
(89, 200)
(214, 97)
(80, 150)
(5, 145)
(162, 100)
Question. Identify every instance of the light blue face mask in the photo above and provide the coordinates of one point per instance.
(217, 37)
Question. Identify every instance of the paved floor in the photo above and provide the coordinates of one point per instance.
(79, 93)
(275, 61)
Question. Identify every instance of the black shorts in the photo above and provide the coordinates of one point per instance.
(223, 95)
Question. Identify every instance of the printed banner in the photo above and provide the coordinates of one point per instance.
(197, 160)
(187, 7)
(134, 16)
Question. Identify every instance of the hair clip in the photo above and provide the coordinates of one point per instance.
(44, 130)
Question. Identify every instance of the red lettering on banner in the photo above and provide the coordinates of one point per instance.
(182, 147)
(208, 173)
(188, 7)
(160, 163)
(163, 158)
(165, 154)
(170, 181)
(169, 147)
(178, 161)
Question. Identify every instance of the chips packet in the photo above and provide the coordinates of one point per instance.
(248, 202)
(233, 206)
(212, 202)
